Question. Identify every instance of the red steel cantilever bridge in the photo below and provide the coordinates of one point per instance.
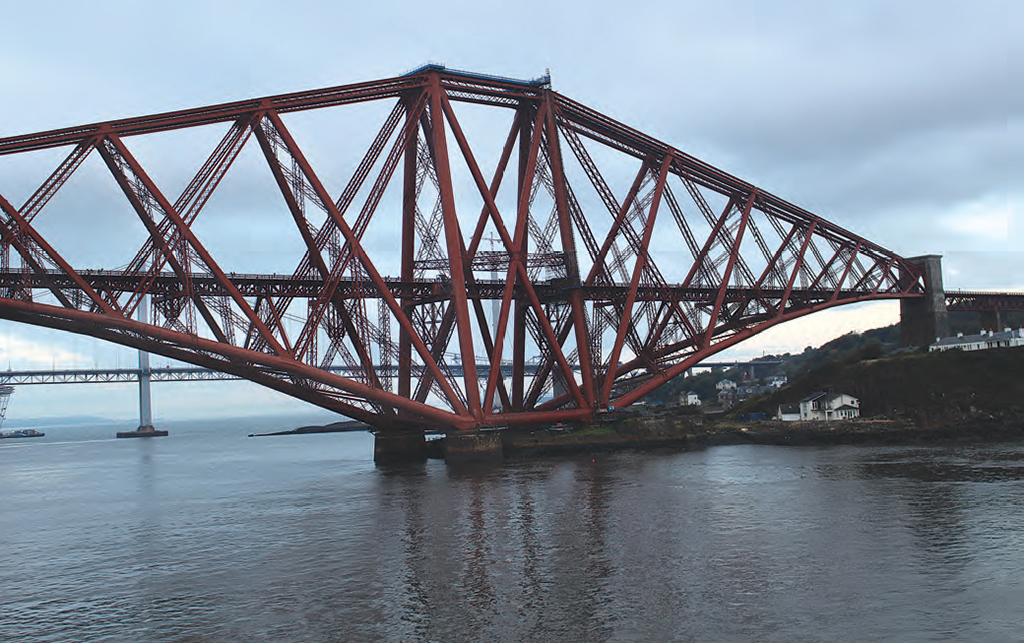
(612, 260)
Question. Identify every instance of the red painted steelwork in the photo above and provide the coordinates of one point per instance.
(691, 260)
(958, 301)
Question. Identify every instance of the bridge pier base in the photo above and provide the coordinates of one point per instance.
(472, 448)
(923, 320)
(392, 448)
(143, 432)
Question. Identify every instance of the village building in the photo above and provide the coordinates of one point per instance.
(727, 397)
(788, 412)
(982, 341)
(820, 406)
(725, 385)
(749, 390)
(689, 398)
(829, 406)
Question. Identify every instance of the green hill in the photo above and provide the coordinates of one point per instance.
(870, 344)
(928, 388)
(850, 348)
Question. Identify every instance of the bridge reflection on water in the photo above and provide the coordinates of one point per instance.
(214, 537)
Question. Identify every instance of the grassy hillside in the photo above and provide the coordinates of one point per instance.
(852, 347)
(927, 388)
(870, 344)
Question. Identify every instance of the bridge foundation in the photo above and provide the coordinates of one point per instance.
(393, 448)
(924, 319)
(143, 432)
(472, 448)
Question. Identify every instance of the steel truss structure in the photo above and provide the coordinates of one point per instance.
(620, 261)
(958, 300)
(5, 398)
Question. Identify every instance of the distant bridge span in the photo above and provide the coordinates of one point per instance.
(620, 260)
(982, 302)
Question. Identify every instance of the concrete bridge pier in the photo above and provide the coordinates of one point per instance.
(467, 448)
(396, 448)
(922, 320)
(460, 448)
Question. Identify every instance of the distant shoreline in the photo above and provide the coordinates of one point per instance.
(334, 427)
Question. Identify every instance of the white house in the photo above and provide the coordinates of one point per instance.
(788, 412)
(829, 406)
(985, 340)
(777, 381)
(725, 385)
(689, 398)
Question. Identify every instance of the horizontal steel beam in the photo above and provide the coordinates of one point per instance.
(964, 301)
(186, 374)
(252, 285)
(463, 85)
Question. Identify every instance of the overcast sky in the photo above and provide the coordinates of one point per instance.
(900, 121)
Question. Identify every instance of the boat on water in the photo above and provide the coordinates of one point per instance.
(21, 433)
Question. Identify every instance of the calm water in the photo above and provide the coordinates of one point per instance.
(212, 536)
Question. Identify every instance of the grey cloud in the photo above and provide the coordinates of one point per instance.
(882, 116)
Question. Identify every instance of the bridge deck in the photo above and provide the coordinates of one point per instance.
(423, 291)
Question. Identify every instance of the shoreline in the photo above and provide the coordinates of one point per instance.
(334, 427)
(692, 434)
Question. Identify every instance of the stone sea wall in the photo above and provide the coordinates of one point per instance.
(691, 432)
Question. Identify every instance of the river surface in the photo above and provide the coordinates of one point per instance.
(208, 535)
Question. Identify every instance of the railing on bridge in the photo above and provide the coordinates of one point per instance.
(169, 374)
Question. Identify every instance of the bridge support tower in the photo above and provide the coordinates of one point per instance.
(922, 320)
(146, 428)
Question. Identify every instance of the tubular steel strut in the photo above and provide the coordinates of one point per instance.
(679, 259)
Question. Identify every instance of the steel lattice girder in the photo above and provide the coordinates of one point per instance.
(679, 260)
(983, 302)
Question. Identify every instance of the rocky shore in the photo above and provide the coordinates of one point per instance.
(873, 431)
(693, 432)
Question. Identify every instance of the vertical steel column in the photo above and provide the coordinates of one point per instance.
(408, 253)
(574, 296)
(456, 258)
(519, 320)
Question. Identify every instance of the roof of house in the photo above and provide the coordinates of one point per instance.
(825, 396)
(976, 339)
(789, 408)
